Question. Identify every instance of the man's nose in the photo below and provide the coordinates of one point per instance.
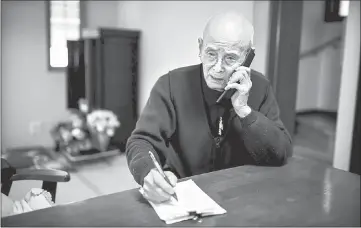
(218, 67)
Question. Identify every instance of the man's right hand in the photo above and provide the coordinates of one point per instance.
(156, 188)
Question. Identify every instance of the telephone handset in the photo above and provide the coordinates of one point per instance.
(247, 62)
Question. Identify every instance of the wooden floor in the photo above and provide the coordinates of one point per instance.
(315, 139)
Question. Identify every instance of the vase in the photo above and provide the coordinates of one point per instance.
(100, 140)
(103, 140)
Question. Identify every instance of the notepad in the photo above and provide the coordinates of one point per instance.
(192, 202)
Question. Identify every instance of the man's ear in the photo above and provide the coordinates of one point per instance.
(200, 45)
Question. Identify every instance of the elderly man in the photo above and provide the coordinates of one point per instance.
(189, 133)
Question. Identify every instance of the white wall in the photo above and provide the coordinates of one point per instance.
(101, 13)
(318, 76)
(29, 91)
(348, 90)
(330, 67)
(170, 30)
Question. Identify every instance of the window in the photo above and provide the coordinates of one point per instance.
(64, 24)
(344, 8)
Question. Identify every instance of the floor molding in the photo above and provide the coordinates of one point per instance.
(307, 112)
(313, 112)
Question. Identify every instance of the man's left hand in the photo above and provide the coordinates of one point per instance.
(240, 97)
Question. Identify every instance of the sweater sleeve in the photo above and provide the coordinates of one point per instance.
(263, 133)
(153, 130)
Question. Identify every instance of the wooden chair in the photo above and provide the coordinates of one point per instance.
(50, 177)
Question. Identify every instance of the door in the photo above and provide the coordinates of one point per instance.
(283, 58)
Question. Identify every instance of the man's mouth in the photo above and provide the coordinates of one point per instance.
(218, 79)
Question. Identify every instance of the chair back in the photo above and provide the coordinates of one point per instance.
(7, 171)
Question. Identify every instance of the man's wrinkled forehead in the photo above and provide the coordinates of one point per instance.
(236, 47)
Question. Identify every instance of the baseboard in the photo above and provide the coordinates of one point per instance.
(306, 112)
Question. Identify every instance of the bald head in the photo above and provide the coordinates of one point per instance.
(229, 27)
(227, 38)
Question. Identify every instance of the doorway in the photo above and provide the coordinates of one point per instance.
(319, 77)
(304, 67)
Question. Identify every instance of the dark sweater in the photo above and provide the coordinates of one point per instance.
(175, 127)
(214, 110)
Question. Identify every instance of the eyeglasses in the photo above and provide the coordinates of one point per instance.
(211, 57)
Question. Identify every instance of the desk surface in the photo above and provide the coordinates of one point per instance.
(301, 193)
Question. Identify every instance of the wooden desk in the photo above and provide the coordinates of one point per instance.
(301, 193)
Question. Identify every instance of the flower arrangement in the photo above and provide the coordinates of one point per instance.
(102, 125)
(86, 129)
(103, 121)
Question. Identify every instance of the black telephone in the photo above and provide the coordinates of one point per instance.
(247, 62)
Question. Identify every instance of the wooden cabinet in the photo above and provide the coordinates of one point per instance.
(106, 62)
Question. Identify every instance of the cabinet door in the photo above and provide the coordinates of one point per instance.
(93, 63)
(75, 73)
(118, 82)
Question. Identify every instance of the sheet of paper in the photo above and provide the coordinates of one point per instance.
(190, 198)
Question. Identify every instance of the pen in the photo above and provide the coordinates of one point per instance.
(161, 172)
